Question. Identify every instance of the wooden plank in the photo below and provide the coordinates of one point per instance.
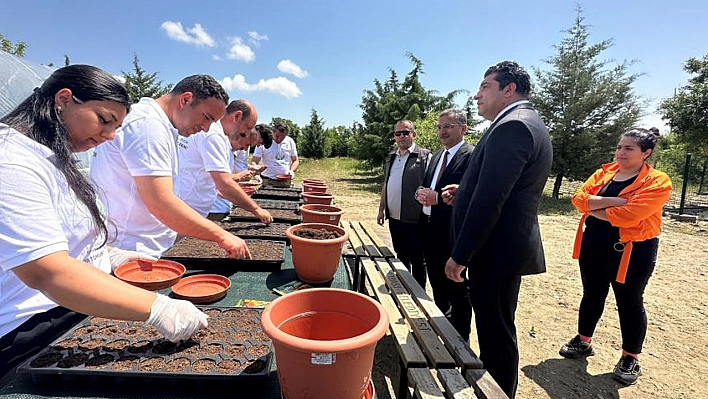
(408, 349)
(383, 248)
(369, 245)
(484, 385)
(424, 385)
(464, 355)
(455, 385)
(427, 337)
(354, 240)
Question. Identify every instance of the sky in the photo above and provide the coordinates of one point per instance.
(290, 57)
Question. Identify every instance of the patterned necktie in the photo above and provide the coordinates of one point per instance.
(442, 169)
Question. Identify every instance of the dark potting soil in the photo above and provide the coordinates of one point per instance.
(255, 229)
(275, 204)
(262, 250)
(317, 234)
(278, 215)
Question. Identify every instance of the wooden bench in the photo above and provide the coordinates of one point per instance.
(434, 359)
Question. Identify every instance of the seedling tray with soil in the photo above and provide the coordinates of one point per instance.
(274, 204)
(273, 231)
(277, 194)
(279, 215)
(234, 346)
(267, 255)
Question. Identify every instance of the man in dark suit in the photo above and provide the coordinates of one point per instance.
(445, 167)
(403, 173)
(495, 215)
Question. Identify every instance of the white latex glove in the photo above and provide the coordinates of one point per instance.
(119, 256)
(175, 319)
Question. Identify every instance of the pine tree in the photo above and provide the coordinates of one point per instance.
(7, 46)
(585, 103)
(312, 141)
(140, 84)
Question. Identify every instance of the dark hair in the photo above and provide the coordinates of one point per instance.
(645, 139)
(281, 127)
(408, 122)
(266, 133)
(202, 86)
(459, 115)
(37, 117)
(511, 72)
(239, 105)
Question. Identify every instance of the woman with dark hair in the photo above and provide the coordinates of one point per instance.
(621, 205)
(54, 265)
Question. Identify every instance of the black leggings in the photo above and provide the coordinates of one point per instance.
(598, 270)
(34, 335)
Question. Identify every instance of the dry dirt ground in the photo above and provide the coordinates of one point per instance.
(676, 303)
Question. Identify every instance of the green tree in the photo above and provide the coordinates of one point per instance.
(585, 102)
(140, 84)
(313, 139)
(67, 61)
(337, 144)
(390, 102)
(294, 128)
(7, 46)
(687, 110)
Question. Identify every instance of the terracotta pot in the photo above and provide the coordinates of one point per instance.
(324, 341)
(314, 188)
(249, 190)
(316, 213)
(310, 180)
(316, 261)
(317, 198)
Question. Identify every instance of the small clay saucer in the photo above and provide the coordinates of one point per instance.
(283, 177)
(151, 274)
(202, 288)
(248, 190)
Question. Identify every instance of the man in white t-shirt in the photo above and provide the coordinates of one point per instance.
(205, 169)
(134, 173)
(281, 157)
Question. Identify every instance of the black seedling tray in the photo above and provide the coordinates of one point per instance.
(279, 216)
(277, 194)
(212, 255)
(99, 347)
(273, 231)
(275, 204)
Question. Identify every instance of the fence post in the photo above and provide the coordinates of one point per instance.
(703, 174)
(685, 182)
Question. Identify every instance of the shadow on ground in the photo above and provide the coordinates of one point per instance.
(386, 368)
(569, 379)
(369, 180)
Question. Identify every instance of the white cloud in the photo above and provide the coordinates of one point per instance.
(255, 38)
(120, 78)
(287, 66)
(195, 35)
(215, 57)
(280, 85)
(240, 51)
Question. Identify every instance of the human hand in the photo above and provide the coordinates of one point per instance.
(291, 173)
(175, 319)
(258, 169)
(380, 218)
(244, 175)
(426, 196)
(119, 257)
(454, 270)
(235, 247)
(263, 215)
(449, 192)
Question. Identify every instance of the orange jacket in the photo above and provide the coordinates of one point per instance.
(638, 220)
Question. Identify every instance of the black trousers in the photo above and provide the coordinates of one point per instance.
(407, 241)
(494, 300)
(598, 270)
(34, 335)
(451, 298)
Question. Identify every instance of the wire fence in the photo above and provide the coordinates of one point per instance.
(691, 198)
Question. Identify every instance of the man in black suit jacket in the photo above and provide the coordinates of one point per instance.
(495, 215)
(451, 297)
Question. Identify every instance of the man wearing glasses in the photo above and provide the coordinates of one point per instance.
(134, 173)
(403, 174)
(206, 163)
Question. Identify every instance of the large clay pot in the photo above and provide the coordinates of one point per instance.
(317, 198)
(314, 188)
(316, 213)
(312, 180)
(324, 341)
(316, 261)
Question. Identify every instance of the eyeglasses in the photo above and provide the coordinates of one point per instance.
(447, 126)
(402, 132)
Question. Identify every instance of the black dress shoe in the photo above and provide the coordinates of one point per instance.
(576, 348)
(627, 370)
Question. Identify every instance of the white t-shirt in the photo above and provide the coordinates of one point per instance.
(146, 145)
(277, 157)
(239, 162)
(200, 154)
(39, 215)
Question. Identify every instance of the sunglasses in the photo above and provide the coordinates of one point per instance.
(402, 132)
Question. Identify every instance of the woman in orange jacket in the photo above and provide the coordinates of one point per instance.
(621, 205)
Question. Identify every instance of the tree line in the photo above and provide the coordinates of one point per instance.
(585, 101)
